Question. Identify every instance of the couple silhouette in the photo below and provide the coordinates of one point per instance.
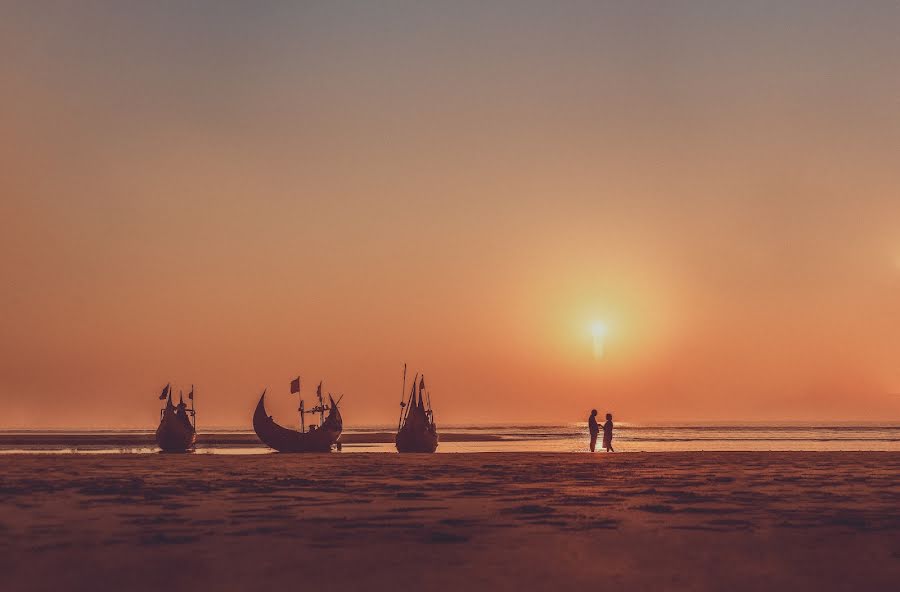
(594, 429)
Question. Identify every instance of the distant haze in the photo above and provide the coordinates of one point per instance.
(229, 194)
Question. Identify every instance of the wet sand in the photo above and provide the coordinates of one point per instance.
(674, 521)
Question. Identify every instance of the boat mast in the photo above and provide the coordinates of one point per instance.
(162, 397)
(402, 397)
(321, 406)
(193, 410)
(295, 388)
(412, 396)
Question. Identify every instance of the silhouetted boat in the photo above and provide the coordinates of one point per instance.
(416, 431)
(177, 430)
(320, 438)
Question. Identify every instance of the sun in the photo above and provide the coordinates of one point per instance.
(598, 329)
(599, 332)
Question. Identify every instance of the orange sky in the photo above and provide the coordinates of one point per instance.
(229, 195)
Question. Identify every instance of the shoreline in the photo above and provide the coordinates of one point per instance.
(544, 438)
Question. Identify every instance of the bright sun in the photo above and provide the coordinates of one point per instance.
(599, 331)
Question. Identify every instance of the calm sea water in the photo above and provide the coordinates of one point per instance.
(498, 438)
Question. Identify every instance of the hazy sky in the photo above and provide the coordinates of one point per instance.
(232, 193)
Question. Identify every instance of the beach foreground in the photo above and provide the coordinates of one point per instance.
(508, 521)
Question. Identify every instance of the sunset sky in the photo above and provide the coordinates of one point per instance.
(229, 194)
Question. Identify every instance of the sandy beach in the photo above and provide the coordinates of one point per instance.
(692, 521)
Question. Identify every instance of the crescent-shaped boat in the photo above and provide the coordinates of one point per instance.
(176, 432)
(318, 439)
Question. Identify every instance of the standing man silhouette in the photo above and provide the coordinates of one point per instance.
(593, 428)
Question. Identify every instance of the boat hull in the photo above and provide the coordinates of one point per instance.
(172, 436)
(409, 440)
(285, 440)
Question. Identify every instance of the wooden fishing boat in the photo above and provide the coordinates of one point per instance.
(416, 431)
(319, 438)
(177, 431)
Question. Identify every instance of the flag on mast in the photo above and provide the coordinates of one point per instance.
(165, 392)
(191, 394)
(319, 389)
(295, 385)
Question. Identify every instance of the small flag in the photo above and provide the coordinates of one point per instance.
(164, 393)
(191, 394)
(319, 390)
(295, 385)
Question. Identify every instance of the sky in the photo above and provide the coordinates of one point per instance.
(229, 194)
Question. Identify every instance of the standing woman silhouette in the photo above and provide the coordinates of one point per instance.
(607, 433)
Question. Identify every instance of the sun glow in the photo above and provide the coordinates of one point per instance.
(599, 332)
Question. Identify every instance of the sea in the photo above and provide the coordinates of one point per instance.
(628, 438)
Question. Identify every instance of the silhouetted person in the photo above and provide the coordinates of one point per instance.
(593, 428)
(607, 434)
